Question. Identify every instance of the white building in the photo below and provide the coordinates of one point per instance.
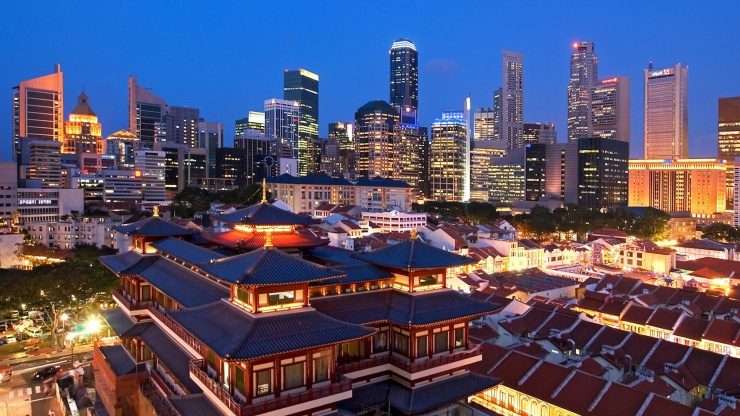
(394, 220)
(150, 164)
(48, 204)
(666, 113)
(97, 231)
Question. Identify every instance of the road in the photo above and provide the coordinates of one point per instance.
(24, 395)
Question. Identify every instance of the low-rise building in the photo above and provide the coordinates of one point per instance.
(96, 231)
(646, 255)
(395, 220)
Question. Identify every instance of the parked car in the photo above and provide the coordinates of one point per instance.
(3, 326)
(34, 332)
(47, 372)
(10, 339)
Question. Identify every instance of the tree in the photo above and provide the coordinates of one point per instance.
(653, 225)
(721, 232)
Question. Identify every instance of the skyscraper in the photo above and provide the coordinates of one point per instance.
(534, 133)
(211, 138)
(728, 129)
(610, 109)
(281, 121)
(483, 124)
(667, 113)
(38, 109)
(343, 134)
(181, 125)
(303, 86)
(512, 99)
(376, 126)
(122, 145)
(145, 112)
(449, 171)
(584, 71)
(82, 132)
(404, 80)
(602, 172)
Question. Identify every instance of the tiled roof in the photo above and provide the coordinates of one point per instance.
(193, 405)
(691, 328)
(722, 331)
(414, 255)
(381, 182)
(234, 334)
(263, 213)
(171, 354)
(356, 273)
(333, 255)
(185, 251)
(118, 262)
(117, 319)
(419, 400)
(636, 314)
(119, 360)
(251, 241)
(664, 318)
(286, 178)
(267, 266)
(154, 226)
(185, 286)
(136, 330)
(402, 308)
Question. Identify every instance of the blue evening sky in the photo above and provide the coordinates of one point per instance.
(226, 58)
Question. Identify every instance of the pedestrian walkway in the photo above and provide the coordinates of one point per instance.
(24, 391)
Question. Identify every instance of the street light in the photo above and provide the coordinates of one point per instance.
(71, 338)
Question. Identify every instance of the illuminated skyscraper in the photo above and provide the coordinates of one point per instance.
(667, 113)
(449, 170)
(404, 66)
(483, 124)
(610, 109)
(38, 109)
(122, 145)
(512, 99)
(376, 129)
(82, 132)
(146, 112)
(254, 121)
(281, 121)
(343, 134)
(584, 72)
(535, 133)
(303, 86)
(180, 125)
(728, 129)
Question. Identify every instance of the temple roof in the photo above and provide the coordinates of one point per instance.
(414, 255)
(419, 400)
(402, 308)
(356, 273)
(185, 251)
(250, 241)
(154, 226)
(267, 266)
(193, 405)
(233, 334)
(263, 213)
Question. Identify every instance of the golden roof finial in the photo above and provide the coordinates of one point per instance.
(268, 238)
(413, 233)
(155, 211)
(264, 190)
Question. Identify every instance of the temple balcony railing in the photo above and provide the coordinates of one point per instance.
(342, 385)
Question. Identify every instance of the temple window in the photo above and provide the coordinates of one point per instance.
(401, 343)
(427, 280)
(321, 366)
(146, 293)
(280, 298)
(421, 346)
(244, 296)
(380, 342)
(293, 376)
(263, 382)
(459, 337)
(440, 342)
(239, 379)
(353, 350)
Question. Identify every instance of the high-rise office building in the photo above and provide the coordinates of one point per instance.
(449, 172)
(261, 156)
(343, 134)
(184, 166)
(695, 185)
(404, 79)
(376, 129)
(255, 120)
(425, 155)
(534, 133)
(728, 138)
(331, 159)
(150, 165)
(181, 125)
(122, 145)
(484, 124)
(512, 99)
(498, 117)
(281, 121)
(666, 113)
(145, 112)
(562, 172)
(41, 160)
(480, 161)
(535, 162)
(210, 137)
(506, 177)
(38, 109)
(407, 152)
(302, 86)
(82, 132)
(584, 72)
(610, 109)
(602, 172)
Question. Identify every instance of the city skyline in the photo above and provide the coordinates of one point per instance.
(453, 61)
